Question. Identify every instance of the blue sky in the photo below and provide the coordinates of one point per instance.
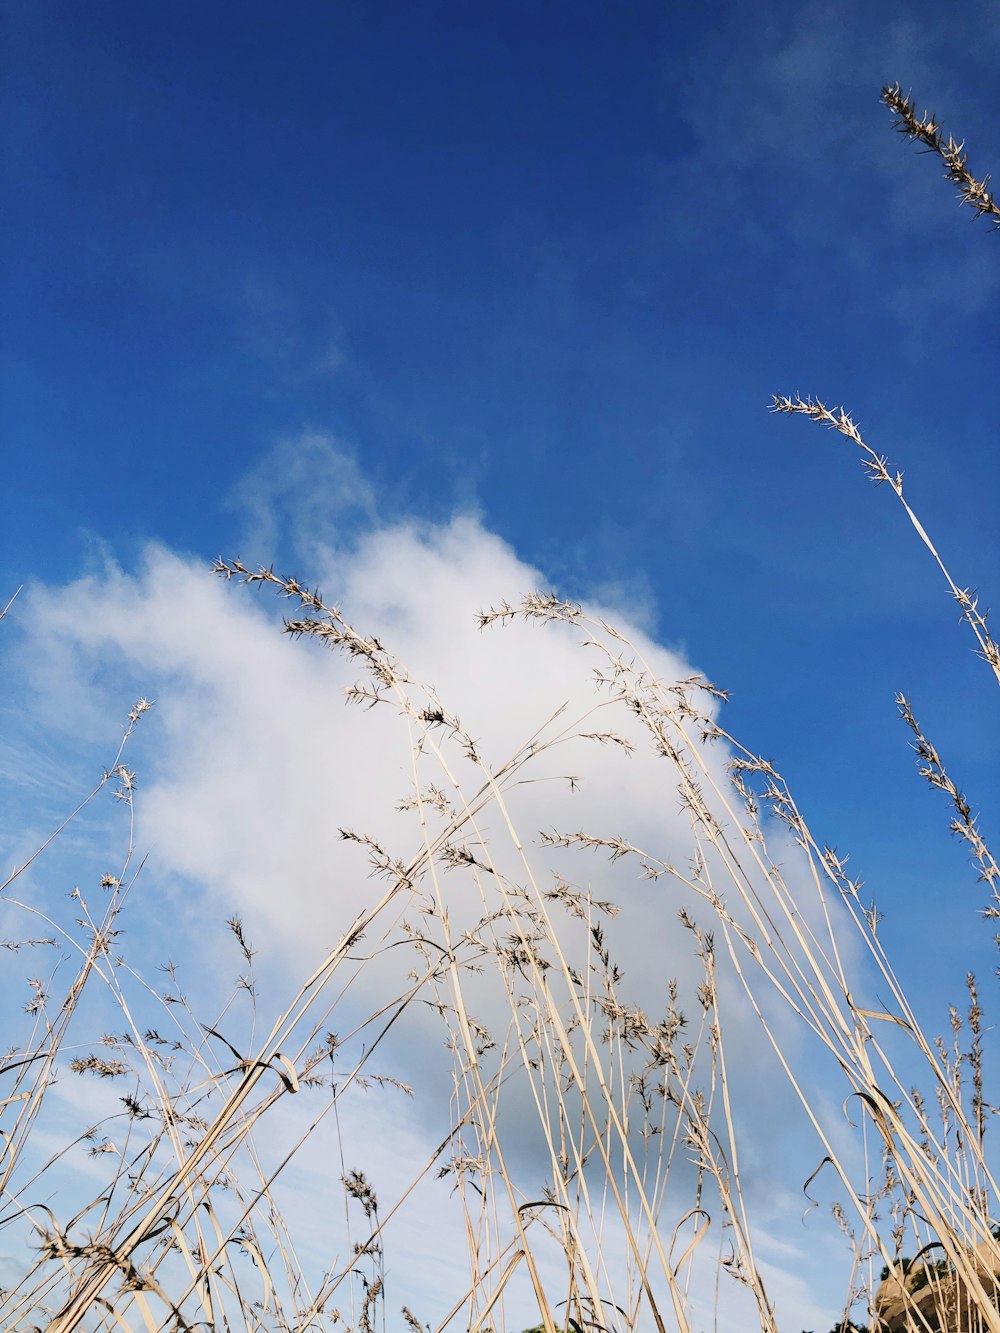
(279, 276)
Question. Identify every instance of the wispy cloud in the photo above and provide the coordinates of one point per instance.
(288, 335)
(781, 105)
(306, 493)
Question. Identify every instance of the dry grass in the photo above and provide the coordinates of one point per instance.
(927, 130)
(632, 1110)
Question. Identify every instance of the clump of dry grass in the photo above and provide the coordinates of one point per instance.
(641, 1191)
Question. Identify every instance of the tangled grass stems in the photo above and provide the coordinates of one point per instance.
(592, 1061)
(576, 1043)
(229, 1132)
(817, 988)
(329, 627)
(809, 973)
(634, 1112)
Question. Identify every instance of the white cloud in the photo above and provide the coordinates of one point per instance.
(307, 489)
(254, 762)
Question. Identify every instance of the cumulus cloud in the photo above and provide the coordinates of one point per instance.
(258, 761)
(254, 762)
